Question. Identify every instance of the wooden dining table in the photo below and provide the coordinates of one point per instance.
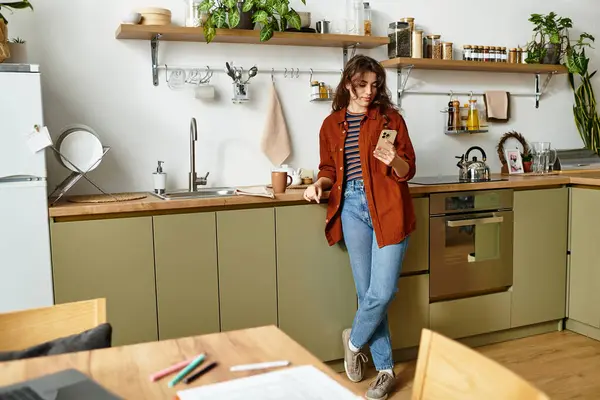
(125, 370)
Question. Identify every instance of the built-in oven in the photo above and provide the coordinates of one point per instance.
(470, 243)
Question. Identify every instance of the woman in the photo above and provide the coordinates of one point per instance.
(370, 207)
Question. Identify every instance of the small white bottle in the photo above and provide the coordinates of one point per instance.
(160, 179)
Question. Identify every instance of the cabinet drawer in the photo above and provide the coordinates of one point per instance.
(472, 316)
(409, 311)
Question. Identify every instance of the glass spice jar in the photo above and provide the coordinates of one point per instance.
(512, 56)
(466, 52)
(493, 54)
(434, 47)
(447, 51)
(417, 44)
(486, 53)
(519, 55)
(475, 53)
(400, 40)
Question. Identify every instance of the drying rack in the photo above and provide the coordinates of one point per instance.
(75, 176)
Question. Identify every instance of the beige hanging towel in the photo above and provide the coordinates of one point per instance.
(497, 105)
(275, 140)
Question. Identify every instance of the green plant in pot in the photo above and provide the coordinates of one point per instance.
(272, 15)
(550, 39)
(527, 159)
(580, 79)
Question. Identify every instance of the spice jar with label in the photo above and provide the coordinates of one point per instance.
(466, 52)
(417, 44)
(400, 40)
(519, 55)
(315, 91)
(447, 51)
(323, 92)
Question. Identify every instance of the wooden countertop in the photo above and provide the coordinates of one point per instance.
(152, 204)
(124, 370)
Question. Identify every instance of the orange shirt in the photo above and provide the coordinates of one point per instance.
(388, 196)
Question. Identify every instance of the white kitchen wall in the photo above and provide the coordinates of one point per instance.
(89, 77)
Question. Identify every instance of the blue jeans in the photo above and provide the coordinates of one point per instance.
(376, 272)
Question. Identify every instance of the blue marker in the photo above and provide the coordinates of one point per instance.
(197, 361)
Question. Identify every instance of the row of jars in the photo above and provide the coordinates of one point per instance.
(407, 41)
(493, 54)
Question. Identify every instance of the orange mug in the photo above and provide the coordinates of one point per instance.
(280, 180)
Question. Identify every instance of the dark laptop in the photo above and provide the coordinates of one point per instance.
(69, 384)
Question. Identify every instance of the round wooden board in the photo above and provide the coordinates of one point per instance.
(102, 198)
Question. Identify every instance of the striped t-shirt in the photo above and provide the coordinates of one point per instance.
(351, 154)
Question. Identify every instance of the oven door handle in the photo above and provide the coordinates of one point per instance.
(474, 221)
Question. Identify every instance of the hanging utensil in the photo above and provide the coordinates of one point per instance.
(251, 73)
(229, 71)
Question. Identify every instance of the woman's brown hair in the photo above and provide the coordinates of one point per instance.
(360, 64)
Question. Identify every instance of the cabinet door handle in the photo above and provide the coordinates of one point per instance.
(475, 221)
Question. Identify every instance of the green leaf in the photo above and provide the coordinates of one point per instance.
(206, 5)
(266, 33)
(303, 2)
(219, 18)
(209, 33)
(294, 19)
(261, 17)
(248, 4)
(234, 18)
(282, 8)
(230, 4)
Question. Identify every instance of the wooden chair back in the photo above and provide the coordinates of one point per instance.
(23, 329)
(448, 370)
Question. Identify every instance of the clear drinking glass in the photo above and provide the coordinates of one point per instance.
(544, 157)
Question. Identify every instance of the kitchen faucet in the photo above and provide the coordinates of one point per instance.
(194, 180)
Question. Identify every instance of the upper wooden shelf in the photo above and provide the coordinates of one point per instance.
(186, 34)
(460, 65)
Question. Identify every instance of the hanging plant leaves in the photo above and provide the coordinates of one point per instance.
(294, 19)
(266, 32)
(219, 18)
(230, 4)
(248, 4)
(234, 18)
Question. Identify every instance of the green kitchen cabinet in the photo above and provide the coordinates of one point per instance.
(584, 277)
(247, 268)
(113, 259)
(409, 312)
(417, 253)
(541, 220)
(187, 287)
(316, 293)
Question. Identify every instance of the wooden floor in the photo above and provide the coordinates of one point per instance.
(564, 365)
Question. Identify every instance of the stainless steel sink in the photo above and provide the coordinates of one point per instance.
(200, 193)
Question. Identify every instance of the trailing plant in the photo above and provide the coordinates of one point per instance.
(272, 15)
(550, 39)
(19, 5)
(584, 110)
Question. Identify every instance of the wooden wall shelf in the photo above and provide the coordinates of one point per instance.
(241, 36)
(474, 66)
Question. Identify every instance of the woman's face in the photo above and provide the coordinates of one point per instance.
(365, 89)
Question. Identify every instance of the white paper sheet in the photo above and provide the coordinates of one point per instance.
(297, 383)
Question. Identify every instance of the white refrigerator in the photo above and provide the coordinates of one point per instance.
(25, 260)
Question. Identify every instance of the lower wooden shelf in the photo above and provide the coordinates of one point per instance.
(474, 66)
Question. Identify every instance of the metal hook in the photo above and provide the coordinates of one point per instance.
(311, 74)
(297, 72)
(209, 74)
(285, 73)
(166, 73)
(272, 76)
(471, 95)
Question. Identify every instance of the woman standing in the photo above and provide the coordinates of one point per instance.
(369, 206)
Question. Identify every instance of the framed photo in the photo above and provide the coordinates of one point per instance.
(514, 161)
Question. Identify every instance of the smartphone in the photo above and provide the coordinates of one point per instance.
(386, 135)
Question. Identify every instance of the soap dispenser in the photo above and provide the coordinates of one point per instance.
(160, 179)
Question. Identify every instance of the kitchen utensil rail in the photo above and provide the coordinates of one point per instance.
(287, 72)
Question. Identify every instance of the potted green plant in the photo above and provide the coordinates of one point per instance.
(527, 158)
(10, 6)
(272, 15)
(18, 51)
(550, 39)
(580, 79)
